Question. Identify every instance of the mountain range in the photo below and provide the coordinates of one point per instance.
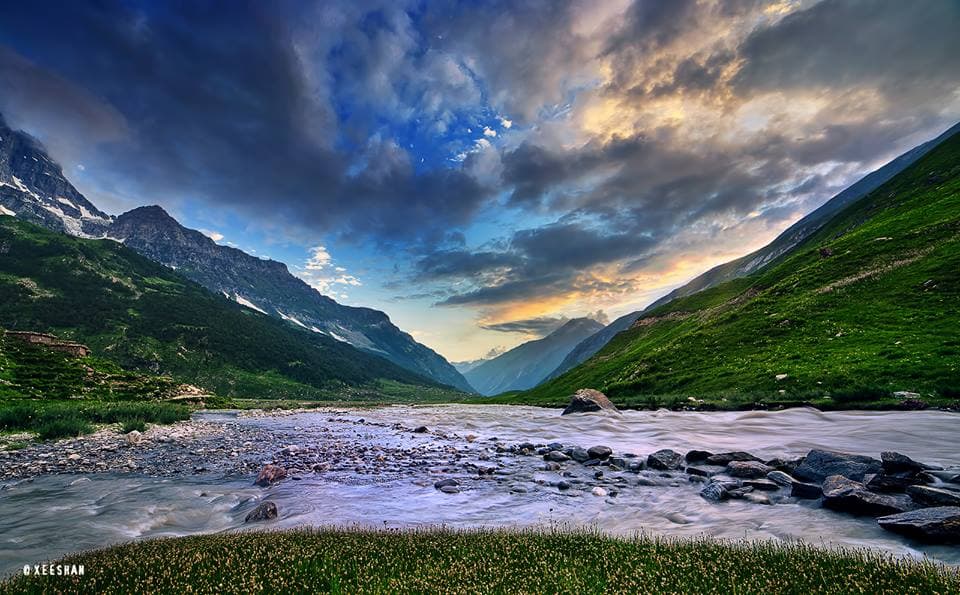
(749, 263)
(146, 317)
(859, 304)
(34, 188)
(526, 365)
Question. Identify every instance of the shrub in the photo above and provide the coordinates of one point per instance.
(133, 424)
(859, 394)
(63, 428)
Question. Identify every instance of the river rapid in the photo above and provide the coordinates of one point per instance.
(367, 467)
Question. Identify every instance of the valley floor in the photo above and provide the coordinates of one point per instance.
(442, 561)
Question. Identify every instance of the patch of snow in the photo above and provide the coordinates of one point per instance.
(338, 337)
(5, 211)
(65, 201)
(292, 319)
(88, 215)
(245, 302)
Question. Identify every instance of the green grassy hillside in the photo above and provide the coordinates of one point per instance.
(143, 316)
(868, 305)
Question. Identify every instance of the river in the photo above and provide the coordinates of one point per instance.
(52, 515)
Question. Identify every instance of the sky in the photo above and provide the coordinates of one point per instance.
(482, 170)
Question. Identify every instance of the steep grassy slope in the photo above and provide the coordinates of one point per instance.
(867, 305)
(143, 316)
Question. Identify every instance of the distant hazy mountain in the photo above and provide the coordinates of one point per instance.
(33, 188)
(745, 265)
(464, 367)
(528, 364)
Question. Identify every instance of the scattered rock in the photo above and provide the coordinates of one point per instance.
(928, 496)
(695, 456)
(270, 474)
(73, 457)
(893, 482)
(937, 525)
(564, 485)
(421, 430)
(134, 437)
(705, 470)
(725, 458)
(598, 491)
(764, 485)
(781, 478)
(714, 492)
(806, 491)
(446, 483)
(579, 454)
(780, 377)
(846, 495)
(588, 399)
(450, 490)
(894, 462)
(599, 452)
(556, 456)
(265, 511)
(748, 469)
(905, 394)
(665, 460)
(820, 464)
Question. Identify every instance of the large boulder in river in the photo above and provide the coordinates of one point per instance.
(937, 525)
(928, 496)
(264, 512)
(821, 464)
(846, 495)
(270, 474)
(586, 400)
(665, 460)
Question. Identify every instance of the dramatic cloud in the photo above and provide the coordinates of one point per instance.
(521, 162)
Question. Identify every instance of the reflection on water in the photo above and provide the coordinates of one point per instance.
(54, 515)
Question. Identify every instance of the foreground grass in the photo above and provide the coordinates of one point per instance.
(441, 561)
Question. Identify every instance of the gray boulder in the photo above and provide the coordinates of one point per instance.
(763, 485)
(928, 496)
(748, 469)
(846, 495)
(894, 462)
(784, 479)
(579, 454)
(725, 458)
(265, 511)
(937, 525)
(696, 456)
(586, 400)
(894, 482)
(556, 456)
(715, 492)
(599, 452)
(665, 460)
(821, 464)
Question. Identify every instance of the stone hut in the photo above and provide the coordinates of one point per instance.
(50, 342)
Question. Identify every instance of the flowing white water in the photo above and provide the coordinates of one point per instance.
(54, 515)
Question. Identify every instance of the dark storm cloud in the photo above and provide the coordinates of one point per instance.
(904, 47)
(218, 106)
